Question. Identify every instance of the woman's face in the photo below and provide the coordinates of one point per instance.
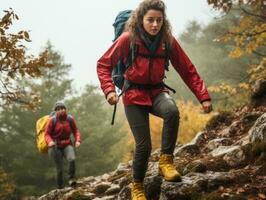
(153, 21)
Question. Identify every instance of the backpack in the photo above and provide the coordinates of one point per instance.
(40, 130)
(120, 68)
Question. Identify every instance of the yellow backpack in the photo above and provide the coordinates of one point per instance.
(40, 130)
(40, 134)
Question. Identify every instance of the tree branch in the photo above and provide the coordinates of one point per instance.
(259, 53)
(249, 34)
(252, 14)
(5, 87)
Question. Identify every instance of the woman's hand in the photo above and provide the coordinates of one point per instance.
(51, 144)
(112, 98)
(207, 106)
(77, 144)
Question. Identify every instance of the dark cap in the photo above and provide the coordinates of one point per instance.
(59, 104)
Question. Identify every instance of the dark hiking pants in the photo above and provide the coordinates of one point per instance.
(58, 154)
(138, 119)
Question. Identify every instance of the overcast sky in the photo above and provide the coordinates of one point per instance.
(81, 30)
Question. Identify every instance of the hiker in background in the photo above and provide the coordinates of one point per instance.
(144, 91)
(57, 136)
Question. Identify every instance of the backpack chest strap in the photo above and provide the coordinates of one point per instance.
(131, 85)
(69, 119)
(151, 55)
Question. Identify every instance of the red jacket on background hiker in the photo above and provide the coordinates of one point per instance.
(147, 71)
(60, 132)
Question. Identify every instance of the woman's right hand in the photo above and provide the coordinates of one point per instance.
(51, 144)
(112, 98)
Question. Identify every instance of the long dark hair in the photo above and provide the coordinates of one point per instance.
(136, 19)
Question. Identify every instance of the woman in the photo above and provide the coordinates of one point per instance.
(149, 29)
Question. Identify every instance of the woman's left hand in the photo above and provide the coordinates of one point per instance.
(77, 144)
(207, 106)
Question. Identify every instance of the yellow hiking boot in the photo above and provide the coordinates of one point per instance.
(137, 191)
(167, 168)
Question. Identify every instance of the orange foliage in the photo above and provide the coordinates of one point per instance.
(250, 33)
(248, 36)
(15, 65)
(192, 120)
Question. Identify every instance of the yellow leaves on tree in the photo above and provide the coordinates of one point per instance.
(236, 95)
(258, 72)
(250, 33)
(248, 36)
(16, 65)
(223, 88)
(236, 52)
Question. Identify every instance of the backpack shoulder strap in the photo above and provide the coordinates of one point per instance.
(132, 54)
(70, 120)
(167, 52)
(53, 122)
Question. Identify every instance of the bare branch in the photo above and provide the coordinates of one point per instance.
(5, 86)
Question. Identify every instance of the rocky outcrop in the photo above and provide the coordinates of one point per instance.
(226, 162)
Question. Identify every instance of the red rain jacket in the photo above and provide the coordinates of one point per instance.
(147, 71)
(61, 131)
